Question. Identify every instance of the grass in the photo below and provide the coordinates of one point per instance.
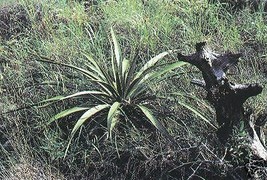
(67, 29)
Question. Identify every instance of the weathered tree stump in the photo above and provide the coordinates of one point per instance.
(226, 97)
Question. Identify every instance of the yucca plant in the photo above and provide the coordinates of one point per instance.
(121, 87)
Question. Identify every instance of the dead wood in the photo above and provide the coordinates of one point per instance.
(226, 97)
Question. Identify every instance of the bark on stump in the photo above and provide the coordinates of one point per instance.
(226, 97)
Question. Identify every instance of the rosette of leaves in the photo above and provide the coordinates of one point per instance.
(122, 86)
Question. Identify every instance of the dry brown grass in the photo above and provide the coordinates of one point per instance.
(30, 171)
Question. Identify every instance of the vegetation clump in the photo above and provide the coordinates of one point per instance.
(120, 89)
(14, 21)
(79, 102)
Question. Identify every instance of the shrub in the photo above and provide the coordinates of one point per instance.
(118, 88)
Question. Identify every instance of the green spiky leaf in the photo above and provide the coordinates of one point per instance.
(139, 83)
(88, 114)
(152, 62)
(195, 111)
(66, 113)
(111, 120)
(155, 122)
(116, 48)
